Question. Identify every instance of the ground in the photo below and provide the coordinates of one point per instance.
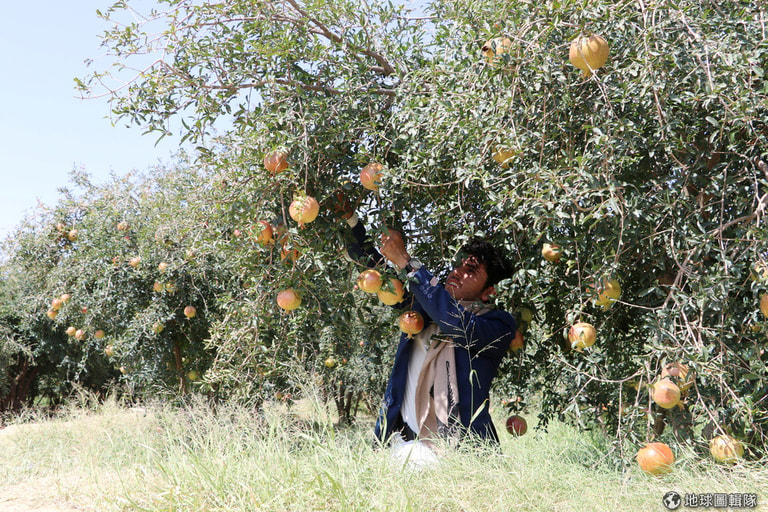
(43, 495)
(39, 497)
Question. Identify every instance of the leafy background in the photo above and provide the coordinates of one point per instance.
(651, 171)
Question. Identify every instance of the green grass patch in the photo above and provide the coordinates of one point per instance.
(110, 458)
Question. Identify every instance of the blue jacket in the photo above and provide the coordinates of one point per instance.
(481, 343)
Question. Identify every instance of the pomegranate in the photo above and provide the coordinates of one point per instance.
(276, 162)
(665, 393)
(57, 304)
(71, 331)
(289, 254)
(99, 334)
(680, 374)
(370, 176)
(503, 156)
(266, 233)
(288, 299)
(516, 425)
(393, 294)
(517, 343)
(495, 47)
(655, 458)
(608, 292)
(726, 449)
(370, 281)
(304, 210)
(190, 311)
(52, 314)
(581, 335)
(759, 271)
(411, 322)
(551, 252)
(588, 53)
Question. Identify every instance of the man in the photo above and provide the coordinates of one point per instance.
(441, 378)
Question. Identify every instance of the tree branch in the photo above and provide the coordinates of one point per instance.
(385, 66)
(294, 83)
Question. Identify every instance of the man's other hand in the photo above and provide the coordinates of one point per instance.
(393, 248)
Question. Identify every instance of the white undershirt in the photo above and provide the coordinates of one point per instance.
(421, 343)
(415, 362)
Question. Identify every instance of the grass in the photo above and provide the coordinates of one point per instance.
(109, 458)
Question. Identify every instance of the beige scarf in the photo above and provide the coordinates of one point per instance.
(437, 391)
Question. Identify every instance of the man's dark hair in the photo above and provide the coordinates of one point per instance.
(497, 266)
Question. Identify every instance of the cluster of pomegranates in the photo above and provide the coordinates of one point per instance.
(305, 209)
(370, 281)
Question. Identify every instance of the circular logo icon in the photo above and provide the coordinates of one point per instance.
(672, 500)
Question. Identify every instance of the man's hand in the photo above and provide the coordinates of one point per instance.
(393, 248)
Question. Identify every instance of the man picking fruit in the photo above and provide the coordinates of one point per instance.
(441, 378)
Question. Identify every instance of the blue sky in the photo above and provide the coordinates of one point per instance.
(45, 129)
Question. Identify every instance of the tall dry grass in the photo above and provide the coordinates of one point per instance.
(111, 458)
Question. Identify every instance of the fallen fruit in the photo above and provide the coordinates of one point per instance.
(655, 458)
(726, 449)
(516, 425)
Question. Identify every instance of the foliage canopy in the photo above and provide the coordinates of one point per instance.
(651, 171)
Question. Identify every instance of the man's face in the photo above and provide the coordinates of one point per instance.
(467, 281)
